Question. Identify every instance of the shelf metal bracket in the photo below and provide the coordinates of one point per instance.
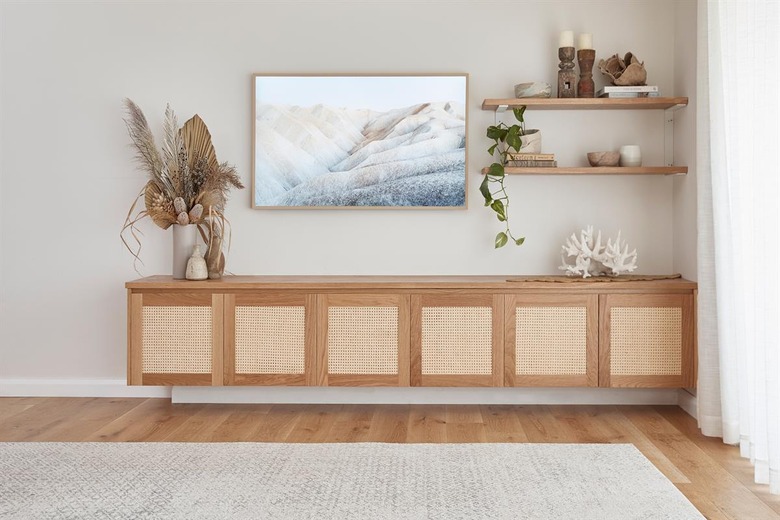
(500, 109)
(669, 134)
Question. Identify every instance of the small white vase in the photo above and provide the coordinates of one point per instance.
(196, 266)
(630, 155)
(184, 238)
(531, 142)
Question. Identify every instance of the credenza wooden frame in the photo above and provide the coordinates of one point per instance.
(410, 295)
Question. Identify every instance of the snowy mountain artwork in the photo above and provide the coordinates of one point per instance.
(360, 141)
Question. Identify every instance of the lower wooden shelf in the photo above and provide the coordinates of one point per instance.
(596, 170)
(411, 331)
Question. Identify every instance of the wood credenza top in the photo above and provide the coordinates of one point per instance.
(503, 283)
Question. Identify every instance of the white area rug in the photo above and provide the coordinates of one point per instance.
(334, 481)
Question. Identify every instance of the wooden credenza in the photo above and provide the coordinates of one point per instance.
(411, 331)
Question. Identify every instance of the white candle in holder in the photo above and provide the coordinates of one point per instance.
(567, 39)
(586, 41)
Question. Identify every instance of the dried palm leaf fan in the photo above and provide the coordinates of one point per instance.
(187, 185)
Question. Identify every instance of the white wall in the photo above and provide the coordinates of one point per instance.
(684, 199)
(68, 179)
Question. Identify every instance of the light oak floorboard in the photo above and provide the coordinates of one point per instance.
(539, 425)
(727, 497)
(616, 428)
(427, 424)
(37, 420)
(464, 424)
(203, 425)
(502, 424)
(712, 475)
(353, 424)
(390, 424)
(727, 456)
(16, 405)
(280, 420)
(314, 424)
(151, 421)
(240, 424)
(92, 415)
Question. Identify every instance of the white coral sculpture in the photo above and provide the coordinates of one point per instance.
(593, 259)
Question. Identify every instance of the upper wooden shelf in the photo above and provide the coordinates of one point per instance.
(658, 103)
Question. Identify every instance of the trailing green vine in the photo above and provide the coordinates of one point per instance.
(507, 139)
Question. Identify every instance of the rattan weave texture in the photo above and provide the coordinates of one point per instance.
(176, 339)
(457, 340)
(646, 340)
(270, 340)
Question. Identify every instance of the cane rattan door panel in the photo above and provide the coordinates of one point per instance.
(647, 340)
(457, 340)
(269, 338)
(175, 339)
(363, 340)
(551, 340)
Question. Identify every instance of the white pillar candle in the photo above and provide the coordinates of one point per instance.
(567, 39)
(586, 41)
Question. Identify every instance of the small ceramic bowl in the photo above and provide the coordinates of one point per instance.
(603, 158)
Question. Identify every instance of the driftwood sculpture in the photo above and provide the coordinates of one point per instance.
(626, 71)
(591, 258)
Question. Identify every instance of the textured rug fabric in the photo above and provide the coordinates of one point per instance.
(334, 481)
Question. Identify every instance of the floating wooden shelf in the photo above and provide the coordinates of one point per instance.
(657, 103)
(588, 170)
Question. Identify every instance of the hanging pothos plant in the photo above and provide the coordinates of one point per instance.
(507, 139)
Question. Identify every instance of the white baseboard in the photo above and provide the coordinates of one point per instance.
(232, 394)
(195, 394)
(687, 401)
(78, 388)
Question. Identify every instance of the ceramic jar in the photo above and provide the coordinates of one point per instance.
(630, 155)
(531, 142)
(184, 238)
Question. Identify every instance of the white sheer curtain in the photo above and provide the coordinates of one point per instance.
(739, 228)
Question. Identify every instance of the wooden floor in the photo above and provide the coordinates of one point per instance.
(709, 473)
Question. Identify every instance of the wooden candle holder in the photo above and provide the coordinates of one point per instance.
(566, 76)
(586, 87)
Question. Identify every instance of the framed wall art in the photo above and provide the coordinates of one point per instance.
(359, 141)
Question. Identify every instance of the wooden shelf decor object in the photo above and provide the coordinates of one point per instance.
(410, 331)
(647, 103)
(597, 170)
(669, 104)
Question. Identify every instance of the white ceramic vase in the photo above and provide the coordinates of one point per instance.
(184, 239)
(630, 155)
(531, 142)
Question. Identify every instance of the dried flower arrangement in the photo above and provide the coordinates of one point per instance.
(186, 183)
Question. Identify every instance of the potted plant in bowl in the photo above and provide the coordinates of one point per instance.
(507, 140)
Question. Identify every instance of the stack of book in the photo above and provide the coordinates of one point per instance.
(612, 91)
(532, 160)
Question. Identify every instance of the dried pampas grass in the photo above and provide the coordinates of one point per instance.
(187, 185)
